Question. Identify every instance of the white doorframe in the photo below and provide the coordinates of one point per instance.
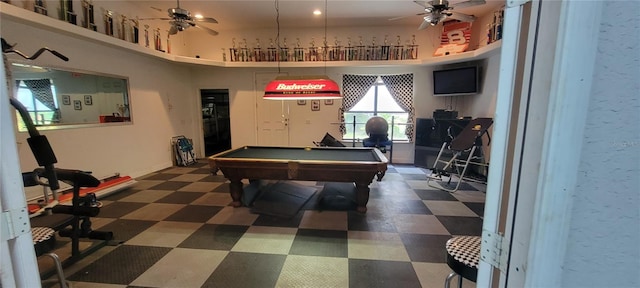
(501, 128)
(550, 82)
(18, 264)
(572, 70)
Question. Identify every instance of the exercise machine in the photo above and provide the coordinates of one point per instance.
(460, 155)
(73, 220)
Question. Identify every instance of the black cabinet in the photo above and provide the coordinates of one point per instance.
(430, 134)
(425, 157)
(434, 132)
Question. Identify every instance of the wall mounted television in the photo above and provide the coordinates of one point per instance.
(456, 81)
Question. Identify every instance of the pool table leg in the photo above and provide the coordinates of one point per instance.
(235, 188)
(362, 196)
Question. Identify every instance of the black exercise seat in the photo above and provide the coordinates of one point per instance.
(78, 177)
(53, 221)
(470, 135)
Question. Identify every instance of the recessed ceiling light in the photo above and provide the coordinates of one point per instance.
(317, 12)
(198, 16)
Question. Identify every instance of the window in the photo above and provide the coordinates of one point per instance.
(39, 112)
(376, 102)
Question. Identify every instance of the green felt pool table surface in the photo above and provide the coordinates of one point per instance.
(304, 153)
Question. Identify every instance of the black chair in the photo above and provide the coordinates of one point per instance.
(329, 141)
(380, 141)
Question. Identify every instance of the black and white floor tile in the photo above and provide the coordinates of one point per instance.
(177, 229)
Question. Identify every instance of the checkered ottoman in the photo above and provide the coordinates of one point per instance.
(44, 239)
(463, 255)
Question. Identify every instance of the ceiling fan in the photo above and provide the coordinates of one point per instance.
(436, 11)
(181, 19)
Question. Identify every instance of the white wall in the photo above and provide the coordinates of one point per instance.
(240, 82)
(602, 249)
(162, 106)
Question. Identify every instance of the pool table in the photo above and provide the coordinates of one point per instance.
(328, 164)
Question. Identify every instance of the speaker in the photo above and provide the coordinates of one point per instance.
(444, 114)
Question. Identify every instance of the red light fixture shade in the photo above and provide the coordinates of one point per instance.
(302, 88)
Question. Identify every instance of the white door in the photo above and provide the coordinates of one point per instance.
(272, 116)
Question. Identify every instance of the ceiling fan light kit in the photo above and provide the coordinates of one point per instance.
(437, 11)
(181, 19)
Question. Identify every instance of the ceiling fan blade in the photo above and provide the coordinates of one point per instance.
(424, 4)
(424, 25)
(157, 9)
(210, 31)
(467, 3)
(206, 20)
(461, 17)
(402, 17)
(163, 18)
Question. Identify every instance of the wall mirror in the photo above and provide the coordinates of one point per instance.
(57, 98)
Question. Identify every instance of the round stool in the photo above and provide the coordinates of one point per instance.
(44, 240)
(463, 255)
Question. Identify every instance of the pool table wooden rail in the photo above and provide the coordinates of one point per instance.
(361, 173)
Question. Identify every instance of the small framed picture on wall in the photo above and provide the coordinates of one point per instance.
(315, 105)
(66, 99)
(302, 102)
(328, 101)
(77, 104)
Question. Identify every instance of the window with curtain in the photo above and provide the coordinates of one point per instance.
(388, 96)
(37, 97)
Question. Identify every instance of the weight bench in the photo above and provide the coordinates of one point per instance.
(465, 151)
(56, 217)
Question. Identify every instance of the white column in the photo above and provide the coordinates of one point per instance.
(18, 259)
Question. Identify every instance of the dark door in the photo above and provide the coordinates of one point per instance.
(215, 120)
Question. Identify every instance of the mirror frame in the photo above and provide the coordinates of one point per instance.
(126, 88)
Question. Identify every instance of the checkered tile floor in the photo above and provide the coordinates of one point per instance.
(178, 231)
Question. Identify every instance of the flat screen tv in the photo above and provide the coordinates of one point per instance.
(456, 81)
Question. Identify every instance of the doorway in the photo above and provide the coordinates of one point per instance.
(216, 124)
(272, 115)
